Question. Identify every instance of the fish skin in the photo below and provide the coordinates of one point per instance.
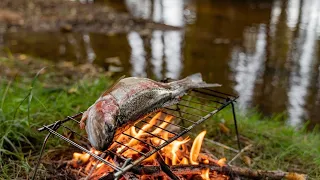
(130, 100)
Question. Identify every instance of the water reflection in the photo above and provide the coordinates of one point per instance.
(300, 79)
(266, 51)
(293, 13)
(164, 11)
(173, 12)
(139, 8)
(249, 64)
(275, 14)
(172, 52)
(137, 59)
(157, 53)
(165, 54)
(165, 45)
(75, 46)
(89, 51)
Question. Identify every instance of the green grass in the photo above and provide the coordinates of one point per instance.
(275, 145)
(28, 101)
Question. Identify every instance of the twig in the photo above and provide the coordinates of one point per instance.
(241, 152)
(78, 172)
(220, 144)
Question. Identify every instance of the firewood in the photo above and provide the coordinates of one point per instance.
(226, 170)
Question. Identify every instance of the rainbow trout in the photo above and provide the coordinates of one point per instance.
(128, 101)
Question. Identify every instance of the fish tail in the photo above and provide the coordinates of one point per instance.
(196, 81)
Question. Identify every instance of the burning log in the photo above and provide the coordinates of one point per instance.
(231, 171)
(182, 171)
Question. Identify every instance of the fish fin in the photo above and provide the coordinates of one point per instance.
(207, 85)
(196, 81)
(83, 119)
(113, 85)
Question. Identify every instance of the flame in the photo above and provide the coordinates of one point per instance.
(83, 157)
(205, 174)
(196, 146)
(175, 147)
(141, 132)
(206, 161)
(184, 161)
(222, 162)
(176, 153)
(163, 125)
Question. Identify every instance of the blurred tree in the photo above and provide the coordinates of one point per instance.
(119, 5)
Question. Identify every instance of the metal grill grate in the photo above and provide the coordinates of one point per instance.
(193, 109)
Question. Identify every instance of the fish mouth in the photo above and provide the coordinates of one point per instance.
(102, 139)
(100, 130)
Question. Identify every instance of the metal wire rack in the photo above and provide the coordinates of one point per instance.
(194, 108)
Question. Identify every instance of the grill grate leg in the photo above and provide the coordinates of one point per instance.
(55, 127)
(235, 124)
(165, 168)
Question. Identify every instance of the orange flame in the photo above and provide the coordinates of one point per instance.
(163, 125)
(222, 162)
(195, 149)
(83, 157)
(176, 153)
(141, 132)
(175, 147)
(205, 174)
(184, 161)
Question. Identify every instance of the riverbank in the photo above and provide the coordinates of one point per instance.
(70, 16)
(31, 97)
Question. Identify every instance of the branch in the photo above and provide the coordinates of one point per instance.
(227, 170)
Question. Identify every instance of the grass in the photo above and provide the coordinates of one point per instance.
(29, 100)
(275, 145)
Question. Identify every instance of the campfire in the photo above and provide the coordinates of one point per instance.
(180, 152)
(158, 146)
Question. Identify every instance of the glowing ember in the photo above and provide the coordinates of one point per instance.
(176, 153)
(205, 174)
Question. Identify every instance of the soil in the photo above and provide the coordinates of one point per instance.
(66, 16)
(58, 75)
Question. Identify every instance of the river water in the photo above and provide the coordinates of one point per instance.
(267, 52)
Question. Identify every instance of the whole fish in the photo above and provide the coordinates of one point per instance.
(128, 101)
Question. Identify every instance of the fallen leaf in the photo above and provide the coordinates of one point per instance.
(246, 160)
(224, 128)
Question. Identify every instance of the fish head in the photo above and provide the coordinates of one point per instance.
(100, 126)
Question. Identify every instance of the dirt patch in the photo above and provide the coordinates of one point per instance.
(63, 15)
(59, 74)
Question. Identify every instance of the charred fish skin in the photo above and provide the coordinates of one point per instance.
(130, 100)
